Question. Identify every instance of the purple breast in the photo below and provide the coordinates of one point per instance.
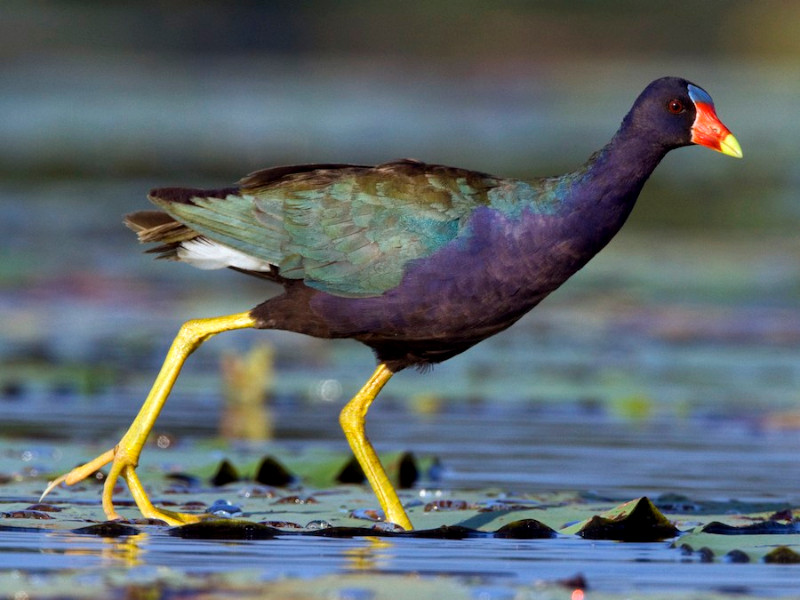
(475, 286)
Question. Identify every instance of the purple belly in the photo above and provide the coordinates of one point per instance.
(474, 287)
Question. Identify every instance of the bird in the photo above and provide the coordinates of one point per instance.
(417, 261)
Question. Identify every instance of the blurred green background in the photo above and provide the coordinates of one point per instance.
(101, 101)
(181, 92)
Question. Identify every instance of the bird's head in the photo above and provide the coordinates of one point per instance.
(675, 113)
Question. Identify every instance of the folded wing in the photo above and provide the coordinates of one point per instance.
(347, 230)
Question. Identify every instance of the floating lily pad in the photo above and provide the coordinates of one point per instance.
(271, 472)
(108, 529)
(224, 529)
(782, 555)
(525, 529)
(635, 521)
(751, 542)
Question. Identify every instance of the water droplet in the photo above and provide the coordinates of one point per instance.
(329, 390)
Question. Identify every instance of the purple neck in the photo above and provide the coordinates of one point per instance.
(604, 190)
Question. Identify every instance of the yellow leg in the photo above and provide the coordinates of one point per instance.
(352, 419)
(125, 456)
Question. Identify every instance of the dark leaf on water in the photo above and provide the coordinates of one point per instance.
(15, 529)
(782, 555)
(224, 529)
(26, 514)
(45, 507)
(271, 472)
(282, 524)
(525, 529)
(635, 521)
(368, 514)
(347, 532)
(442, 505)
(184, 479)
(706, 554)
(351, 473)
(764, 527)
(445, 532)
(737, 556)
(226, 473)
(577, 581)
(108, 529)
(782, 515)
(297, 500)
(407, 471)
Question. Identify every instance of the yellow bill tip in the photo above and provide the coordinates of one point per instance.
(730, 146)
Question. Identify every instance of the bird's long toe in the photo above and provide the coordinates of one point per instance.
(148, 509)
(123, 465)
(80, 473)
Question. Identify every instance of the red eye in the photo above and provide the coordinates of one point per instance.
(675, 106)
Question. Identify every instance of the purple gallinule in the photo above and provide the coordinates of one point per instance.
(417, 261)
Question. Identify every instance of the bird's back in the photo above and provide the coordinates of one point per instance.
(346, 230)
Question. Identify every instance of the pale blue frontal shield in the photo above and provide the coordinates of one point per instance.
(699, 95)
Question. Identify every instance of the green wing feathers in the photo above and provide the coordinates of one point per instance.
(344, 229)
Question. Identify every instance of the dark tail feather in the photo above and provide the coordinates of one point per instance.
(153, 226)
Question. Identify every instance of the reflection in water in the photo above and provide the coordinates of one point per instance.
(370, 556)
(126, 551)
(247, 384)
(123, 551)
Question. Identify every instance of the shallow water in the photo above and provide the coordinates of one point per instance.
(619, 401)
(489, 568)
(516, 454)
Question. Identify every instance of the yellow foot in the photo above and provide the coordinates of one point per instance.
(125, 456)
(123, 467)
